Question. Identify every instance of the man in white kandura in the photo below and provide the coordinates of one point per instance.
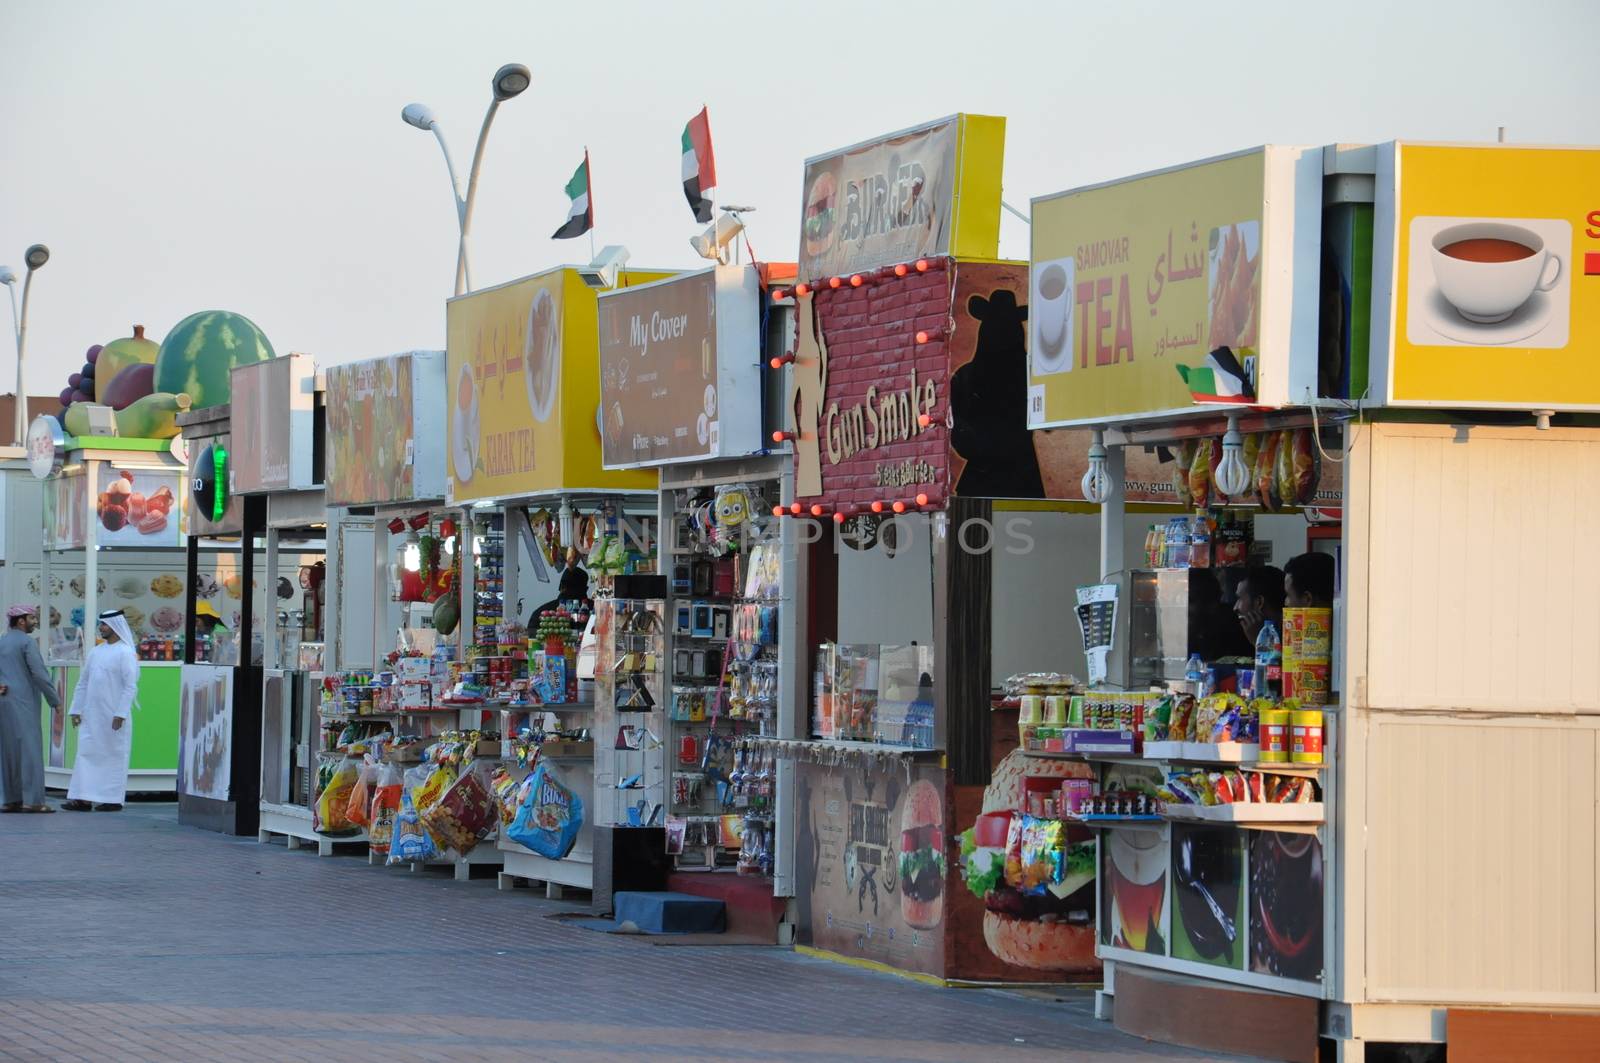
(101, 711)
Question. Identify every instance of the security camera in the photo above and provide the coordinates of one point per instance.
(712, 244)
(602, 272)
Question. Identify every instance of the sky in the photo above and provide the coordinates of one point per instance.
(180, 156)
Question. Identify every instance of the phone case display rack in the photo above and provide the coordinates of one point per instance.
(630, 786)
(723, 661)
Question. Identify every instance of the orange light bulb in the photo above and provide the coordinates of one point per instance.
(901, 270)
(922, 500)
(899, 507)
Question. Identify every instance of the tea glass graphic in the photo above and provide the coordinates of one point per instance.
(1054, 300)
(1488, 270)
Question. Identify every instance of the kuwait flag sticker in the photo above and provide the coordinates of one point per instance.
(1220, 379)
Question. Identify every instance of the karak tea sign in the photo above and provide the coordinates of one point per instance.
(1486, 276)
(1171, 292)
(679, 369)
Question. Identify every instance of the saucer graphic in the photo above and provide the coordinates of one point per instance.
(1527, 321)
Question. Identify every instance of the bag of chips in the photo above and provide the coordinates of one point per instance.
(550, 816)
(385, 807)
(411, 842)
(332, 813)
(1042, 853)
(359, 810)
(463, 815)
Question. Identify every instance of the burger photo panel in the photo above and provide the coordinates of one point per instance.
(873, 864)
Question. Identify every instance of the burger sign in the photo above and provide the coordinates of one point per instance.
(893, 199)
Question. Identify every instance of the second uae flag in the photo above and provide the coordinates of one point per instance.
(699, 166)
(580, 217)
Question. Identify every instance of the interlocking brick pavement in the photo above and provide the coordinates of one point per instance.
(129, 937)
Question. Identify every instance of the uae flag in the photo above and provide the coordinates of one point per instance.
(1220, 379)
(699, 166)
(580, 217)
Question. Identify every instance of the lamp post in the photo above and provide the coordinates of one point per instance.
(35, 257)
(509, 81)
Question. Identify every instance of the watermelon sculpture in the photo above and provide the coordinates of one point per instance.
(201, 351)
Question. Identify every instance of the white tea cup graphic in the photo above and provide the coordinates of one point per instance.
(1487, 270)
(1051, 307)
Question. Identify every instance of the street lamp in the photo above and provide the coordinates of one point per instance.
(35, 257)
(509, 82)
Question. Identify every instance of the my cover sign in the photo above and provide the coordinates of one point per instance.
(1486, 276)
(667, 392)
(1138, 284)
(926, 191)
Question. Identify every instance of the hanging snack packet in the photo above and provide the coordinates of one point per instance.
(1042, 853)
(550, 816)
(411, 842)
(332, 813)
(385, 808)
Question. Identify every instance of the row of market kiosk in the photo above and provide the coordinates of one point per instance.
(906, 619)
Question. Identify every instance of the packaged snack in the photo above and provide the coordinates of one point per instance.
(1181, 727)
(463, 815)
(1305, 736)
(1014, 852)
(550, 816)
(1200, 474)
(411, 842)
(1229, 725)
(1221, 789)
(1307, 467)
(1250, 451)
(1158, 718)
(1042, 853)
(359, 811)
(1266, 472)
(1257, 788)
(333, 804)
(1180, 478)
(385, 808)
(1283, 469)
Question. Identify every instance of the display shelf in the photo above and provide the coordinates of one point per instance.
(1256, 815)
(1133, 822)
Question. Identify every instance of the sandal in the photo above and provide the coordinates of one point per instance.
(77, 806)
(37, 809)
(16, 807)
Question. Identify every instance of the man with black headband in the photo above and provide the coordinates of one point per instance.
(101, 708)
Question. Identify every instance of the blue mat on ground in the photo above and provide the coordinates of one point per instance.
(661, 913)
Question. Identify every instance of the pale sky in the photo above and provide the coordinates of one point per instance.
(180, 155)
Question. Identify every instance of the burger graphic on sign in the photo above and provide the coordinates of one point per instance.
(821, 206)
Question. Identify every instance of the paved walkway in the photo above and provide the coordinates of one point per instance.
(130, 937)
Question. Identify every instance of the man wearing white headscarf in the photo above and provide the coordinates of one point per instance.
(101, 709)
(23, 681)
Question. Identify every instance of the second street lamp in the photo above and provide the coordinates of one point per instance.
(34, 257)
(509, 82)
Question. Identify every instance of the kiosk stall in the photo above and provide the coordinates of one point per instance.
(695, 399)
(524, 461)
(94, 559)
(1257, 927)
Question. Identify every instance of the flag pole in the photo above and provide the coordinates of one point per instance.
(589, 173)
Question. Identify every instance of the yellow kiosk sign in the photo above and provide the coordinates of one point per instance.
(1486, 276)
(1171, 292)
(524, 387)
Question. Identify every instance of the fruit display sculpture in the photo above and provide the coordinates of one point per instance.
(201, 351)
(116, 356)
(153, 417)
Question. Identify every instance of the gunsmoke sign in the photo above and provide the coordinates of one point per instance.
(658, 372)
(880, 203)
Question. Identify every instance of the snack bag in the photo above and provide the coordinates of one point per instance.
(463, 815)
(1014, 852)
(332, 814)
(1200, 470)
(411, 842)
(1250, 452)
(359, 810)
(1283, 469)
(1041, 853)
(506, 788)
(550, 816)
(1265, 472)
(1180, 478)
(1306, 465)
(439, 779)
(385, 807)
